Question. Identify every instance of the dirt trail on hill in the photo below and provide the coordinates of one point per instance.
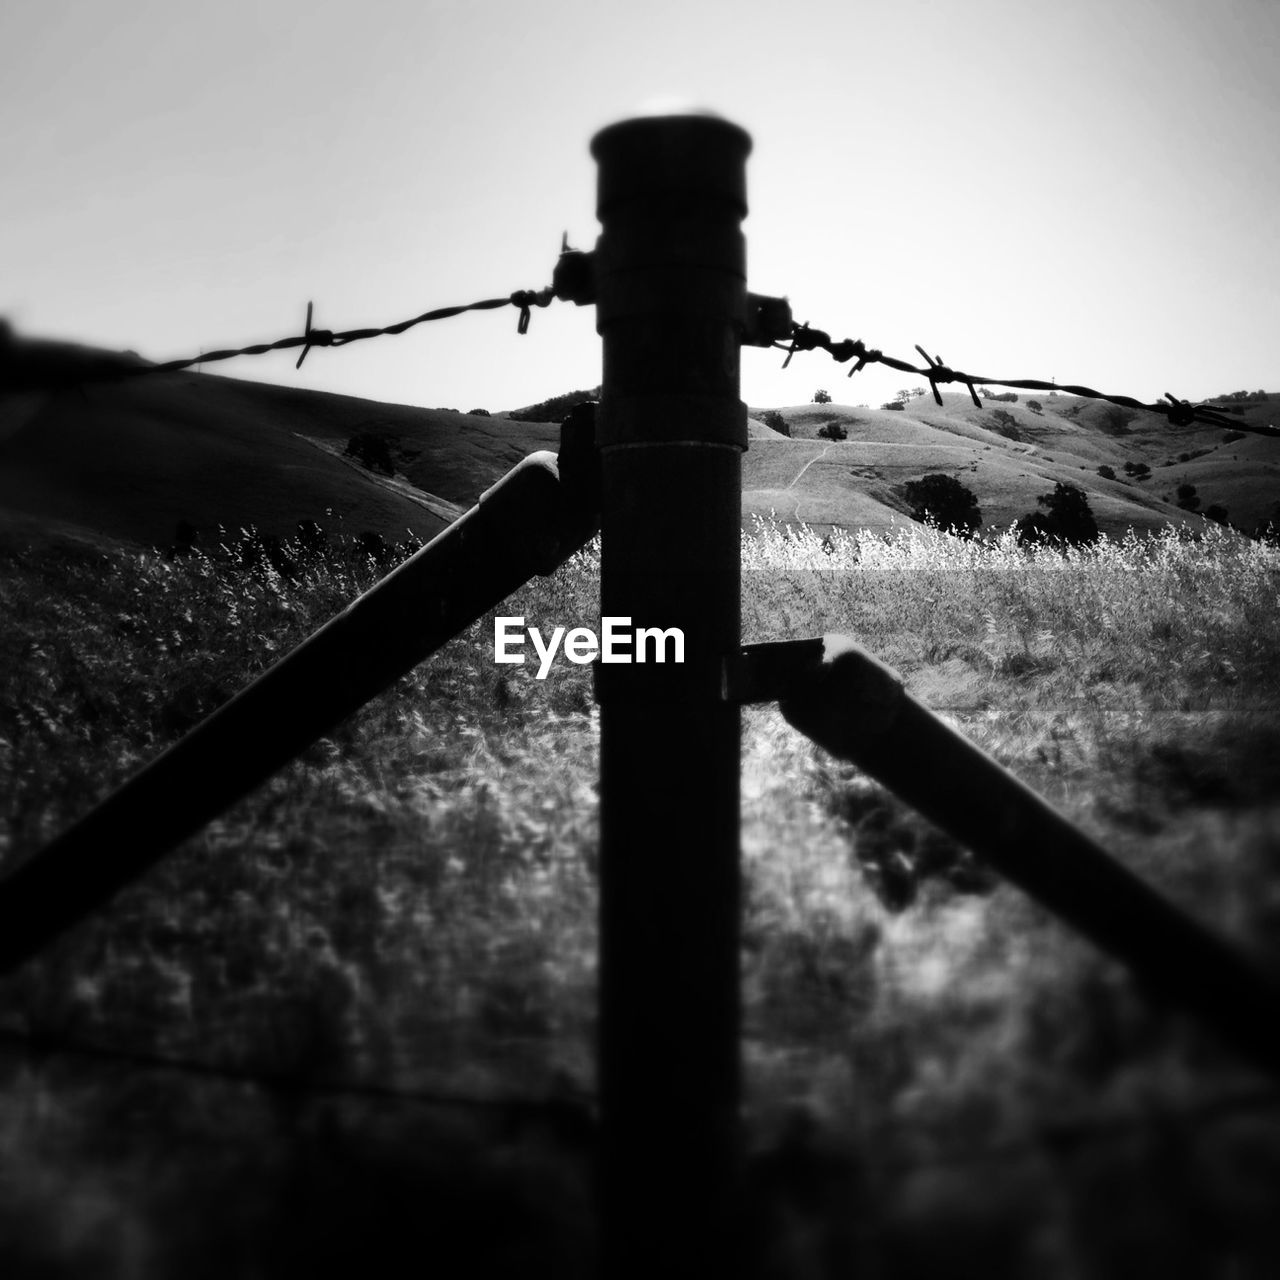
(438, 507)
(807, 465)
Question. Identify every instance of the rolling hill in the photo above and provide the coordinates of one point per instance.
(126, 461)
(1008, 454)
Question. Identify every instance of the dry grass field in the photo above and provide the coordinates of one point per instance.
(382, 963)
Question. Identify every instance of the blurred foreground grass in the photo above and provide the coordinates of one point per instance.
(411, 905)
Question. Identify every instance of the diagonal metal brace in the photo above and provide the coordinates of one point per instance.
(858, 709)
(535, 517)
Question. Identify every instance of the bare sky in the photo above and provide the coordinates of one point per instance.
(1082, 190)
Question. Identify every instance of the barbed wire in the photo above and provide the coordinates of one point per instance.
(1181, 413)
(30, 371)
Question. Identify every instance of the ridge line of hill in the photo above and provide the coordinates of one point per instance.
(127, 461)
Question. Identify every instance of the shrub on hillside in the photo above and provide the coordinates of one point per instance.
(1138, 470)
(1035, 406)
(371, 450)
(1188, 499)
(1216, 512)
(1106, 472)
(1005, 424)
(833, 431)
(1066, 520)
(821, 397)
(772, 418)
(942, 501)
(1114, 419)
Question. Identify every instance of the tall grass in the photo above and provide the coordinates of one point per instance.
(412, 903)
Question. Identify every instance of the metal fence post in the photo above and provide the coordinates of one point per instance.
(671, 306)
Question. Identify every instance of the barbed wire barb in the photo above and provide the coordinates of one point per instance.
(314, 338)
(938, 372)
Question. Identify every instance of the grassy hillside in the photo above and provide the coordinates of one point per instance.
(935, 1069)
(1008, 454)
(127, 461)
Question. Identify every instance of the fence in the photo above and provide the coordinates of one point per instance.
(668, 281)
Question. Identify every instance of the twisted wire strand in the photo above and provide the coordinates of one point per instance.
(522, 298)
(13, 374)
(1179, 412)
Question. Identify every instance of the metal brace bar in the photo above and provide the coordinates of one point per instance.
(858, 709)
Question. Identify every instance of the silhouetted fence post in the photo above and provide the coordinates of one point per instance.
(671, 307)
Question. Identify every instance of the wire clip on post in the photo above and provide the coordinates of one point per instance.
(574, 277)
(768, 321)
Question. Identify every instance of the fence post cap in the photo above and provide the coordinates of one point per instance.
(654, 156)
